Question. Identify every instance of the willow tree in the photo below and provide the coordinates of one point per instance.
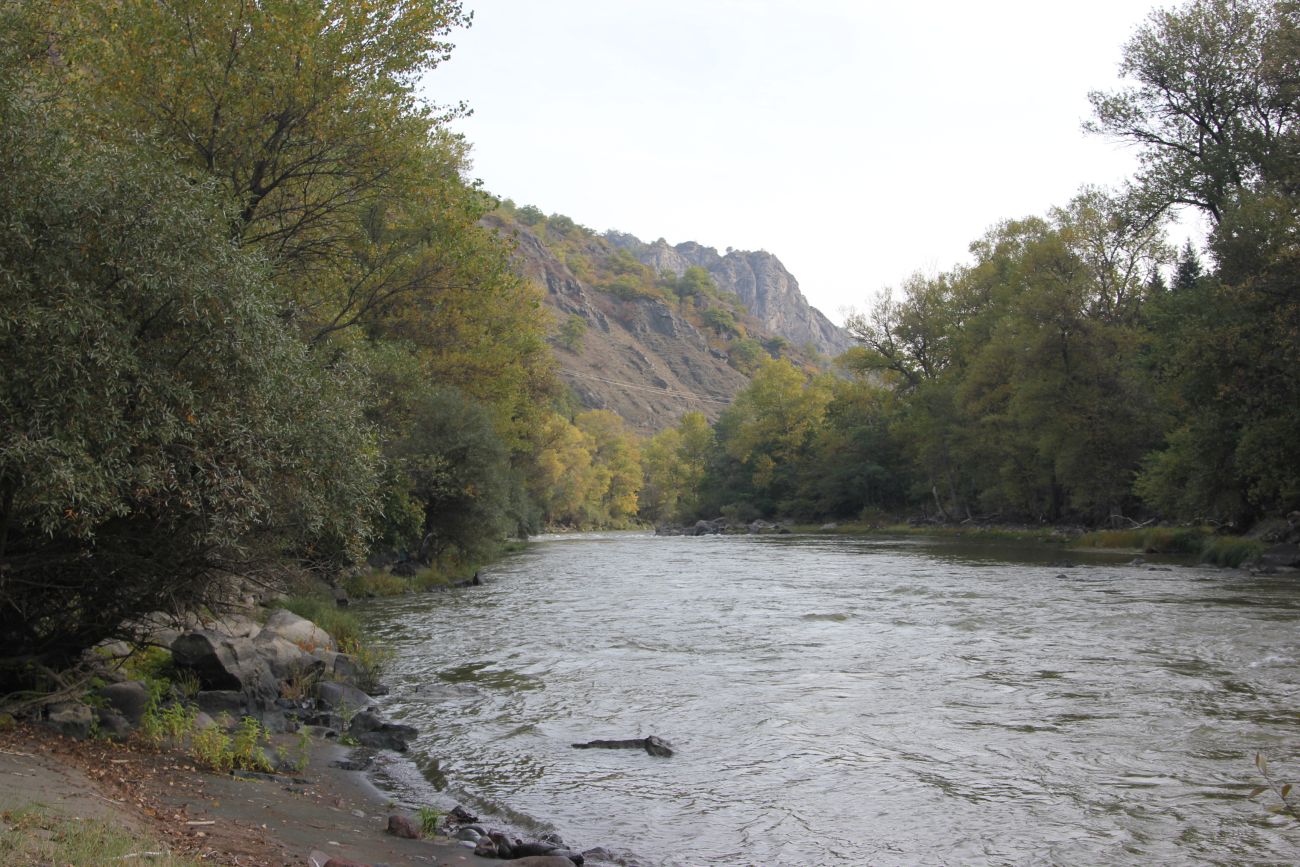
(160, 426)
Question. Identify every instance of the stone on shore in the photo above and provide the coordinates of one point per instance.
(400, 826)
(299, 630)
(70, 719)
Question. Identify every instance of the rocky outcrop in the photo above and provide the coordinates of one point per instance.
(764, 286)
(639, 357)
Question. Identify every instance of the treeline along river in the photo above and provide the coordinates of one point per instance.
(857, 701)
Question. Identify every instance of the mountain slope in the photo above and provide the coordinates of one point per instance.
(625, 341)
(764, 286)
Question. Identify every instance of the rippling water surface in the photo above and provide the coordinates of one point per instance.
(856, 701)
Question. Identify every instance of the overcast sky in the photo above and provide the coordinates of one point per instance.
(857, 141)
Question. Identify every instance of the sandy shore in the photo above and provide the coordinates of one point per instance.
(229, 821)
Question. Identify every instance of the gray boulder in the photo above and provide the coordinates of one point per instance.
(341, 697)
(130, 699)
(298, 630)
(70, 719)
(112, 724)
(223, 663)
(287, 660)
(217, 703)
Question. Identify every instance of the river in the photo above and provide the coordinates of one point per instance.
(856, 701)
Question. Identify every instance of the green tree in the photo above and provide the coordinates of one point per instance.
(1214, 112)
(459, 476)
(765, 433)
(1212, 107)
(159, 426)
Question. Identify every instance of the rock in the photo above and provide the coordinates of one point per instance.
(228, 664)
(355, 762)
(344, 862)
(400, 826)
(341, 697)
(113, 649)
(554, 839)
(384, 740)
(372, 731)
(287, 660)
(1285, 555)
(346, 670)
(219, 702)
(460, 814)
(112, 724)
(236, 626)
(1136, 561)
(467, 834)
(70, 719)
(544, 861)
(298, 630)
(485, 847)
(505, 849)
(341, 597)
(829, 528)
(130, 698)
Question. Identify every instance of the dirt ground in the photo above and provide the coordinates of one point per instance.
(221, 819)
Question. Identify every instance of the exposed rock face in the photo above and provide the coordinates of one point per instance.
(640, 357)
(766, 288)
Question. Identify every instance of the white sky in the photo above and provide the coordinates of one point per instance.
(857, 141)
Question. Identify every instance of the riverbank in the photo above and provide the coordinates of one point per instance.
(165, 803)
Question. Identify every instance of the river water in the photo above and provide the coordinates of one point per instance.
(856, 701)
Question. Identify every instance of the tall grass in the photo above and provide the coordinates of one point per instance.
(1197, 542)
(37, 836)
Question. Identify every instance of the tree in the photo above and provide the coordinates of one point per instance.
(458, 473)
(1214, 111)
(768, 429)
(616, 460)
(694, 283)
(1213, 103)
(160, 428)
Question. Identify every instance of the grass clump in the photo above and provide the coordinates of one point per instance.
(429, 819)
(1198, 542)
(1231, 551)
(67, 840)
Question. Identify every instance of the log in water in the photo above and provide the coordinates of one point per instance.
(857, 701)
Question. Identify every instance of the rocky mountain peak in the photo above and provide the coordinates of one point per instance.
(763, 284)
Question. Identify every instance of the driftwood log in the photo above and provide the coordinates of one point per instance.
(652, 745)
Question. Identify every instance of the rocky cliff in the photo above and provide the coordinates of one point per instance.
(626, 343)
(638, 356)
(764, 286)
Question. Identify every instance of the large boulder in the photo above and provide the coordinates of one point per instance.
(223, 663)
(342, 697)
(286, 659)
(299, 630)
(129, 698)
